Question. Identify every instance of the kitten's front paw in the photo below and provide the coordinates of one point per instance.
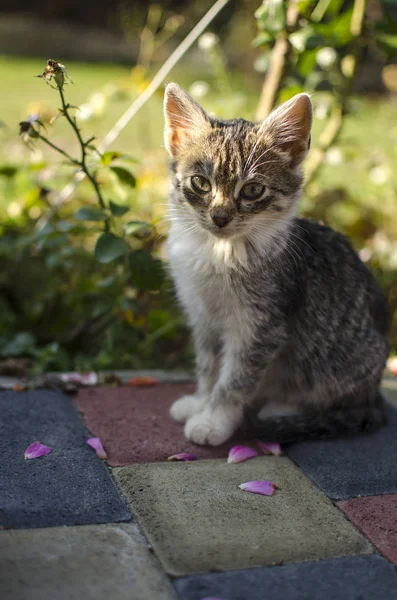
(186, 407)
(212, 426)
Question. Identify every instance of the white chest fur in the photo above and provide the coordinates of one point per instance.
(207, 272)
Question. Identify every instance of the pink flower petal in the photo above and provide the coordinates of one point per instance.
(239, 453)
(96, 444)
(89, 378)
(143, 381)
(270, 448)
(183, 456)
(36, 450)
(265, 488)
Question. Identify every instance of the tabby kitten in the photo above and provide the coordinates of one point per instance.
(289, 325)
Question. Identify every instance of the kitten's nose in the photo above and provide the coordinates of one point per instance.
(221, 218)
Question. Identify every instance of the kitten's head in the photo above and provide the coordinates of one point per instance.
(233, 177)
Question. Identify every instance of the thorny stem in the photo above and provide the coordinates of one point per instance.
(70, 158)
(83, 161)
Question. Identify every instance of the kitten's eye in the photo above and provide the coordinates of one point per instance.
(201, 185)
(252, 191)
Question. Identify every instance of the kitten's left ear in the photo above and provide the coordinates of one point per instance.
(184, 118)
(290, 126)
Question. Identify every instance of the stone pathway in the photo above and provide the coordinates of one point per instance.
(141, 528)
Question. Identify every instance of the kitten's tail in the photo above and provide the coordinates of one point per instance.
(327, 424)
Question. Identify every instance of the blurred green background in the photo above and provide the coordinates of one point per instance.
(60, 308)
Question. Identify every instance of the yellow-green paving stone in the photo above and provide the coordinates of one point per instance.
(91, 562)
(198, 520)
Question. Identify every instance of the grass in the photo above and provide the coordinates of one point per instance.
(362, 164)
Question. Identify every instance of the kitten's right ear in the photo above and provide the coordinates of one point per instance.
(184, 118)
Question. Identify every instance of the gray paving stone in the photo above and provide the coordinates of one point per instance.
(94, 562)
(197, 518)
(350, 578)
(70, 486)
(363, 465)
(389, 388)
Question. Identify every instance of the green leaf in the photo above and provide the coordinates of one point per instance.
(137, 227)
(90, 213)
(109, 247)
(108, 157)
(389, 40)
(271, 16)
(8, 170)
(118, 210)
(262, 38)
(307, 62)
(288, 92)
(147, 272)
(124, 176)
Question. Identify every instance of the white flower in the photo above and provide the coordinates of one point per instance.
(199, 89)
(321, 110)
(334, 157)
(365, 254)
(379, 175)
(14, 209)
(326, 57)
(207, 41)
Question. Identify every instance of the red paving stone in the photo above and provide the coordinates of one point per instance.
(134, 424)
(376, 516)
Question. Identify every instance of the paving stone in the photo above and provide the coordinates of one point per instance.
(350, 578)
(376, 516)
(94, 562)
(135, 426)
(197, 518)
(70, 486)
(389, 388)
(363, 465)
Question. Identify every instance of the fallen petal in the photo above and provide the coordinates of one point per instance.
(183, 456)
(96, 444)
(270, 448)
(89, 378)
(17, 387)
(36, 450)
(239, 453)
(265, 488)
(143, 381)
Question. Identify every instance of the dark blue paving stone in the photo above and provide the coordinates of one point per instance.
(351, 578)
(70, 486)
(363, 465)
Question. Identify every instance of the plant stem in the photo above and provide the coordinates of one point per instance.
(70, 158)
(139, 102)
(82, 162)
(278, 64)
(335, 123)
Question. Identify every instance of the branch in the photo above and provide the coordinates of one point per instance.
(326, 140)
(335, 122)
(278, 65)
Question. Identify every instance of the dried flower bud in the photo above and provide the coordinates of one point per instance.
(30, 128)
(57, 71)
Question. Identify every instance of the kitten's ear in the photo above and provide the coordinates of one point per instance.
(183, 117)
(290, 126)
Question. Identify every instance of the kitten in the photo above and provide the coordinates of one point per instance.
(289, 325)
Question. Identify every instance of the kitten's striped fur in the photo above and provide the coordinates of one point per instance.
(289, 325)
